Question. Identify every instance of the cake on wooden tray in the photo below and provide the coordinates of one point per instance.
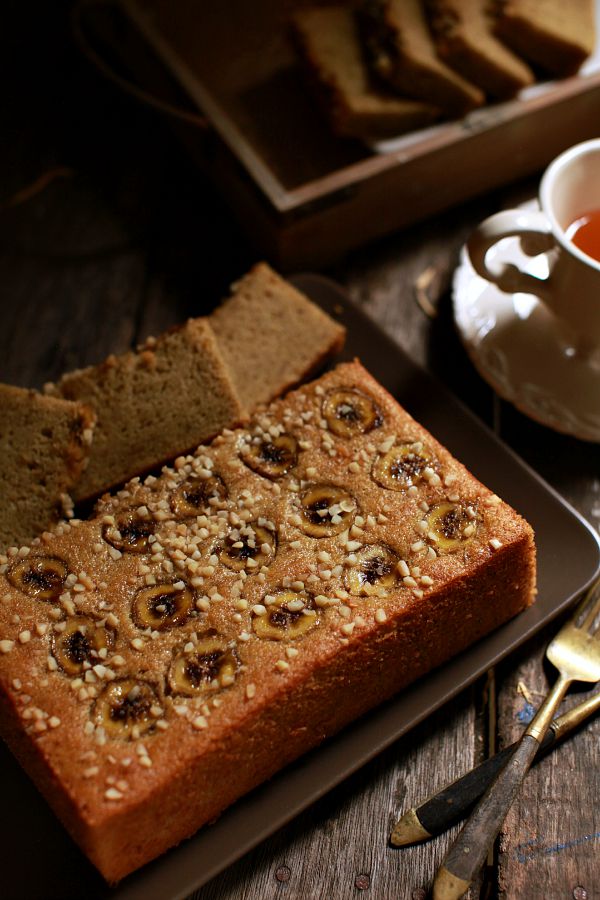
(404, 54)
(330, 45)
(464, 39)
(554, 35)
(210, 625)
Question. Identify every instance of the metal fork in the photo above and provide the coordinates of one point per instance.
(575, 652)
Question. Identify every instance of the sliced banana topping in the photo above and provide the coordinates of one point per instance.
(162, 606)
(349, 413)
(290, 615)
(211, 666)
(451, 525)
(374, 572)
(193, 496)
(130, 532)
(124, 708)
(42, 577)
(80, 644)
(248, 548)
(273, 457)
(402, 466)
(326, 510)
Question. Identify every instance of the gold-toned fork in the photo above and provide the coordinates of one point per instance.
(575, 652)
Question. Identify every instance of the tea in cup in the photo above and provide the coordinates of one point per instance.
(584, 232)
(567, 229)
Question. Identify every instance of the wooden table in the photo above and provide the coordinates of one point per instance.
(109, 234)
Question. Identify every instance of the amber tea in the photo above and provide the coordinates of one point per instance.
(584, 232)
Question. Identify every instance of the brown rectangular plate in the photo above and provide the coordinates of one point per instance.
(42, 861)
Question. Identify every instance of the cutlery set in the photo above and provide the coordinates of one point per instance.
(488, 790)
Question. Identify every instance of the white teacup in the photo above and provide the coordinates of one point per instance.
(569, 189)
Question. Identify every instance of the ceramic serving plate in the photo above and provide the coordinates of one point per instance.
(40, 860)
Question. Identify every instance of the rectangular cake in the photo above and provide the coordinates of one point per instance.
(210, 625)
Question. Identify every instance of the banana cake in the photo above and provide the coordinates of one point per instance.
(210, 625)
(184, 386)
(331, 48)
(464, 39)
(264, 314)
(403, 52)
(44, 442)
(554, 35)
(152, 403)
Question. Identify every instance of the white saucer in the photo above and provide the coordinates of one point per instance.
(513, 341)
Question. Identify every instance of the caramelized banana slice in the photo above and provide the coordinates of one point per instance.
(326, 510)
(130, 532)
(248, 548)
(162, 606)
(211, 666)
(124, 708)
(193, 496)
(349, 413)
(450, 526)
(272, 458)
(402, 466)
(286, 618)
(81, 641)
(374, 572)
(42, 577)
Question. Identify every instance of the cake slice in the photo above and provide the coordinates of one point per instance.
(210, 625)
(166, 397)
(403, 52)
(554, 35)
(44, 443)
(329, 43)
(271, 336)
(464, 39)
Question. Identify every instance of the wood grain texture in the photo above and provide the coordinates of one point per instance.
(130, 240)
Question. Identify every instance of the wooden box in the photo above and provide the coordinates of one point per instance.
(304, 196)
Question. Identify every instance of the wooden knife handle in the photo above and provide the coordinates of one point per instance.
(470, 849)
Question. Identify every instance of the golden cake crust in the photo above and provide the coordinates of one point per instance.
(381, 596)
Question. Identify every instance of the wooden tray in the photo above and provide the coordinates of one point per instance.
(307, 197)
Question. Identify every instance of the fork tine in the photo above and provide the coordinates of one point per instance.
(589, 610)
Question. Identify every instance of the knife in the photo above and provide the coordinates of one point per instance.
(453, 802)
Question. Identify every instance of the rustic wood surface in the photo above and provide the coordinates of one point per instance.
(108, 234)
